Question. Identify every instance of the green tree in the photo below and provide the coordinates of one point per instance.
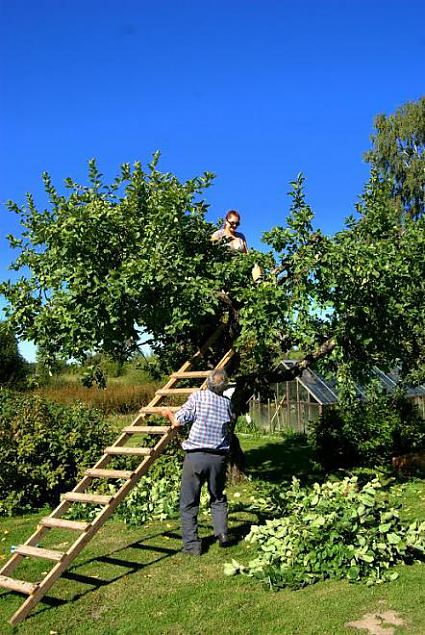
(13, 367)
(398, 153)
(108, 262)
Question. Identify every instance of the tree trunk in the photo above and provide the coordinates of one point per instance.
(236, 468)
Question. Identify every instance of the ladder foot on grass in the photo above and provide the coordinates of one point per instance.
(126, 480)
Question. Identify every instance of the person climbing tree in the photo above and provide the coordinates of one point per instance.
(235, 240)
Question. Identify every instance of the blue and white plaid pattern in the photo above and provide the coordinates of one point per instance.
(210, 415)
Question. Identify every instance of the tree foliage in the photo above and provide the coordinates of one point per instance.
(107, 262)
(398, 153)
(13, 367)
(336, 530)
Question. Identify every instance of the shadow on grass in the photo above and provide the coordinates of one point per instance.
(113, 559)
(280, 460)
(130, 566)
(119, 558)
(236, 534)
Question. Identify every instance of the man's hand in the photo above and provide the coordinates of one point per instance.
(167, 413)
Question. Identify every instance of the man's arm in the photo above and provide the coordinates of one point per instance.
(186, 414)
(170, 416)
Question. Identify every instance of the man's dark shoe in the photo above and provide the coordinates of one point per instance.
(224, 541)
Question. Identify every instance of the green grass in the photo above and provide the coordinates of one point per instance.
(276, 459)
(118, 422)
(135, 580)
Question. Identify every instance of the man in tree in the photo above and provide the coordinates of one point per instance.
(210, 414)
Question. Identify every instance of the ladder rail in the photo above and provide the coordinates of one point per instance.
(86, 536)
(123, 438)
(88, 530)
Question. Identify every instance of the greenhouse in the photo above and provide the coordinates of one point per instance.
(293, 404)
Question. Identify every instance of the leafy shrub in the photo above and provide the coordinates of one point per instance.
(335, 530)
(368, 433)
(43, 448)
(246, 425)
(13, 367)
(157, 495)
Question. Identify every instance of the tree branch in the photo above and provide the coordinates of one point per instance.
(247, 385)
(288, 374)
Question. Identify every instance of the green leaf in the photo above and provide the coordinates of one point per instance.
(353, 573)
(393, 538)
(384, 528)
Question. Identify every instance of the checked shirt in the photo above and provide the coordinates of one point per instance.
(210, 415)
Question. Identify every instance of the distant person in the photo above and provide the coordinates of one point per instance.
(210, 415)
(235, 240)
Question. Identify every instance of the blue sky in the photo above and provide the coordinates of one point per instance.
(252, 91)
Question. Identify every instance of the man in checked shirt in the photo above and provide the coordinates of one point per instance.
(207, 447)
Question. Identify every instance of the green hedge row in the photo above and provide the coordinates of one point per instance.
(368, 433)
(44, 448)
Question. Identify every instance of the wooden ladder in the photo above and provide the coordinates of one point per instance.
(86, 530)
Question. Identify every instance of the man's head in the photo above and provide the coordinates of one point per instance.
(217, 381)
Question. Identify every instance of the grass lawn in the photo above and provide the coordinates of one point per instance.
(135, 580)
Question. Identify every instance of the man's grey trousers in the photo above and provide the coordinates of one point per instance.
(199, 468)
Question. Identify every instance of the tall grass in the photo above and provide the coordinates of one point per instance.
(117, 398)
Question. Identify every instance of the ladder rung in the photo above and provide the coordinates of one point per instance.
(38, 552)
(188, 374)
(80, 497)
(146, 429)
(156, 410)
(176, 391)
(36, 591)
(62, 523)
(17, 585)
(98, 473)
(119, 449)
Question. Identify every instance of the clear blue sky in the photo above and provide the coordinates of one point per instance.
(254, 91)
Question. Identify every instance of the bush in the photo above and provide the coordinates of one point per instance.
(156, 496)
(335, 530)
(13, 367)
(246, 425)
(158, 493)
(368, 433)
(44, 447)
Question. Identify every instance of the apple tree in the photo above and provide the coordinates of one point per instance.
(106, 266)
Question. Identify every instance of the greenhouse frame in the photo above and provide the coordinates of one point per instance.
(295, 403)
